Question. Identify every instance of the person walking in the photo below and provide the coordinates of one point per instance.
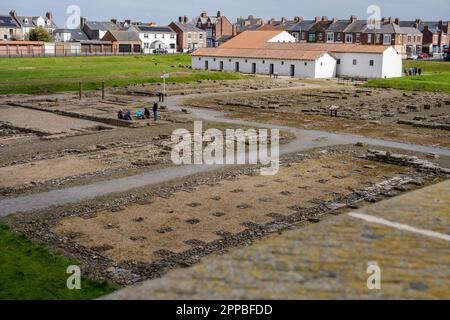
(419, 71)
(155, 111)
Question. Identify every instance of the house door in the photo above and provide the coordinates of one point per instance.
(292, 70)
(253, 68)
(271, 69)
(236, 68)
(206, 65)
(221, 65)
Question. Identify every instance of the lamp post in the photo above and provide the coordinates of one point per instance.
(164, 77)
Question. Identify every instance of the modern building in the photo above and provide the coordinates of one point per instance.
(156, 37)
(123, 41)
(189, 37)
(275, 52)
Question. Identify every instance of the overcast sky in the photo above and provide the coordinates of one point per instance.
(165, 11)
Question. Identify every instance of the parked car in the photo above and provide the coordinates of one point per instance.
(423, 56)
(412, 56)
(160, 51)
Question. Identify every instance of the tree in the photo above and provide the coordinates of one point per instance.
(40, 34)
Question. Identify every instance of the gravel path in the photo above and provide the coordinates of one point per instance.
(304, 140)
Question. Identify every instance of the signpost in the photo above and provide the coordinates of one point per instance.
(164, 77)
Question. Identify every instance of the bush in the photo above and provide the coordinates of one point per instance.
(40, 34)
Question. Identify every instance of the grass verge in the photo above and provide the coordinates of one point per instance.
(49, 75)
(435, 78)
(31, 271)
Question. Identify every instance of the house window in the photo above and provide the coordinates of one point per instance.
(378, 38)
(409, 38)
(358, 37)
(338, 61)
(330, 37)
(311, 37)
(339, 36)
(320, 36)
(146, 35)
(369, 38)
(146, 45)
(303, 35)
(163, 36)
(282, 63)
(156, 36)
(349, 38)
(214, 59)
(200, 36)
(371, 63)
(229, 60)
(189, 35)
(264, 61)
(172, 36)
(245, 60)
(355, 62)
(306, 63)
(387, 39)
(199, 59)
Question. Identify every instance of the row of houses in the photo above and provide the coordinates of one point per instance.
(279, 53)
(408, 37)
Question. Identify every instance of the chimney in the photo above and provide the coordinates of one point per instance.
(335, 19)
(49, 15)
(271, 21)
(397, 21)
(250, 17)
(204, 14)
(180, 19)
(353, 19)
(218, 13)
(440, 24)
(185, 19)
(13, 14)
(316, 19)
(283, 19)
(82, 22)
(128, 22)
(298, 19)
(114, 21)
(324, 18)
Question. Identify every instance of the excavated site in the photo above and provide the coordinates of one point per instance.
(414, 117)
(58, 141)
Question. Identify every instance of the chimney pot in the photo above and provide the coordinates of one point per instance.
(317, 19)
(397, 21)
(13, 13)
(324, 18)
(114, 21)
(218, 13)
(353, 19)
(251, 17)
(49, 15)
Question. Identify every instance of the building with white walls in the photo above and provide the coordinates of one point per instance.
(275, 52)
(156, 37)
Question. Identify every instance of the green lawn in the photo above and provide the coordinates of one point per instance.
(435, 78)
(40, 75)
(31, 271)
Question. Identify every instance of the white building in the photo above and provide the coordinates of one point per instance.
(156, 37)
(273, 52)
(32, 22)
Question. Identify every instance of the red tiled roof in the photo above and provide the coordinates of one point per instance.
(259, 53)
(329, 47)
(250, 39)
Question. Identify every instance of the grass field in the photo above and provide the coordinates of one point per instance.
(435, 78)
(40, 75)
(31, 271)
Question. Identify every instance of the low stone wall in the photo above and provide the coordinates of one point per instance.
(113, 122)
(405, 160)
(421, 124)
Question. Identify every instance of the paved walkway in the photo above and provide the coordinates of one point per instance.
(304, 140)
(407, 237)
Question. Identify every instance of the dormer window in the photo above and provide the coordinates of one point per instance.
(26, 21)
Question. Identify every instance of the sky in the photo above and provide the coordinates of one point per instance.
(163, 12)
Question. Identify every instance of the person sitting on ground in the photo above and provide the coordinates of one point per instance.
(120, 115)
(146, 113)
(139, 114)
(127, 116)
